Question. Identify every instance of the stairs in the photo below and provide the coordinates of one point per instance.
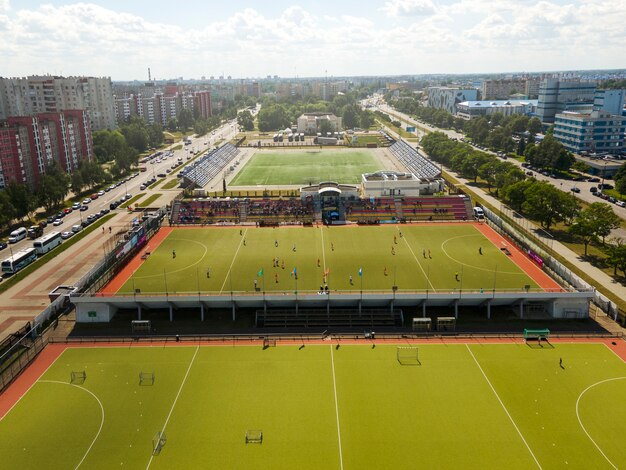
(399, 211)
(243, 211)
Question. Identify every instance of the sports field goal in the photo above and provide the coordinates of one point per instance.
(267, 342)
(254, 436)
(158, 441)
(408, 355)
(78, 377)
(542, 334)
(446, 324)
(146, 378)
(141, 326)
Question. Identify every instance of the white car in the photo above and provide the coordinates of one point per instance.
(76, 205)
(100, 193)
(86, 201)
(66, 235)
(621, 203)
(57, 222)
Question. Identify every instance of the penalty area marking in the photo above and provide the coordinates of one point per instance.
(521, 273)
(583, 426)
(101, 410)
(206, 250)
(502, 404)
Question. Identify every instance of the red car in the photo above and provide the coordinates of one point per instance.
(67, 210)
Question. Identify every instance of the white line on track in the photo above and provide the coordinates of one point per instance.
(503, 407)
(229, 273)
(419, 264)
(176, 398)
(101, 410)
(332, 362)
(581, 423)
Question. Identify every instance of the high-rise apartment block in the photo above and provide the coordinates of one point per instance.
(34, 95)
(446, 98)
(501, 89)
(556, 96)
(29, 144)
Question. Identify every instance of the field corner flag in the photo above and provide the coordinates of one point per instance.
(360, 271)
(260, 273)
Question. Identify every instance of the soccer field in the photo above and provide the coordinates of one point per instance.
(306, 167)
(324, 407)
(433, 257)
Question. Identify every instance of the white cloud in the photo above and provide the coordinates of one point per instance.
(409, 8)
(85, 38)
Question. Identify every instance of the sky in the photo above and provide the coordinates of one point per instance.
(194, 38)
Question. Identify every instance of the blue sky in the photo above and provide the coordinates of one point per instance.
(195, 38)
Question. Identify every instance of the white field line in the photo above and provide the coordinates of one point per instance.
(503, 407)
(581, 423)
(31, 386)
(616, 355)
(419, 264)
(323, 250)
(229, 273)
(101, 410)
(176, 398)
(332, 362)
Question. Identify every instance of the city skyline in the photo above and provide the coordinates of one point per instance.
(241, 39)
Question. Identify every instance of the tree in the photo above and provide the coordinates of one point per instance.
(325, 126)
(76, 182)
(107, 144)
(91, 174)
(155, 135)
(53, 187)
(7, 210)
(490, 170)
(136, 136)
(547, 204)
(246, 120)
(521, 146)
(616, 256)
(185, 119)
(22, 199)
(172, 124)
(534, 126)
(366, 119)
(594, 222)
(350, 115)
(515, 194)
(620, 180)
(273, 117)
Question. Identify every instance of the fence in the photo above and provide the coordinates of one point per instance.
(550, 264)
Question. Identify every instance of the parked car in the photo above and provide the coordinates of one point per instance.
(67, 210)
(94, 196)
(103, 212)
(101, 193)
(127, 197)
(575, 189)
(43, 224)
(86, 201)
(594, 190)
(84, 208)
(161, 175)
(3, 245)
(142, 187)
(594, 180)
(113, 205)
(620, 203)
(66, 235)
(605, 186)
(91, 218)
(76, 205)
(57, 222)
(51, 219)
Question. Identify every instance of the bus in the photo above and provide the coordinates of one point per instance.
(46, 243)
(19, 260)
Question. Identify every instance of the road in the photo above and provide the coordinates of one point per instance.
(130, 185)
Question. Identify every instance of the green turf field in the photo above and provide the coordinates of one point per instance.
(341, 251)
(466, 406)
(304, 167)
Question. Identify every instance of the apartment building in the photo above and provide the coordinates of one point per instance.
(34, 95)
(596, 131)
(29, 144)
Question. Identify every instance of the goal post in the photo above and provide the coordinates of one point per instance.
(408, 355)
(78, 377)
(141, 326)
(146, 378)
(158, 441)
(254, 436)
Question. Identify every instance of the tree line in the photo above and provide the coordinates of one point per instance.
(538, 200)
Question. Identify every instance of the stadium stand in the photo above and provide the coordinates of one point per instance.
(200, 172)
(415, 162)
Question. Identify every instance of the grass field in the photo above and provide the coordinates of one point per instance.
(320, 407)
(341, 251)
(304, 167)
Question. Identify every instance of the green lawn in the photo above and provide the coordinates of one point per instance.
(304, 167)
(340, 250)
(320, 407)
